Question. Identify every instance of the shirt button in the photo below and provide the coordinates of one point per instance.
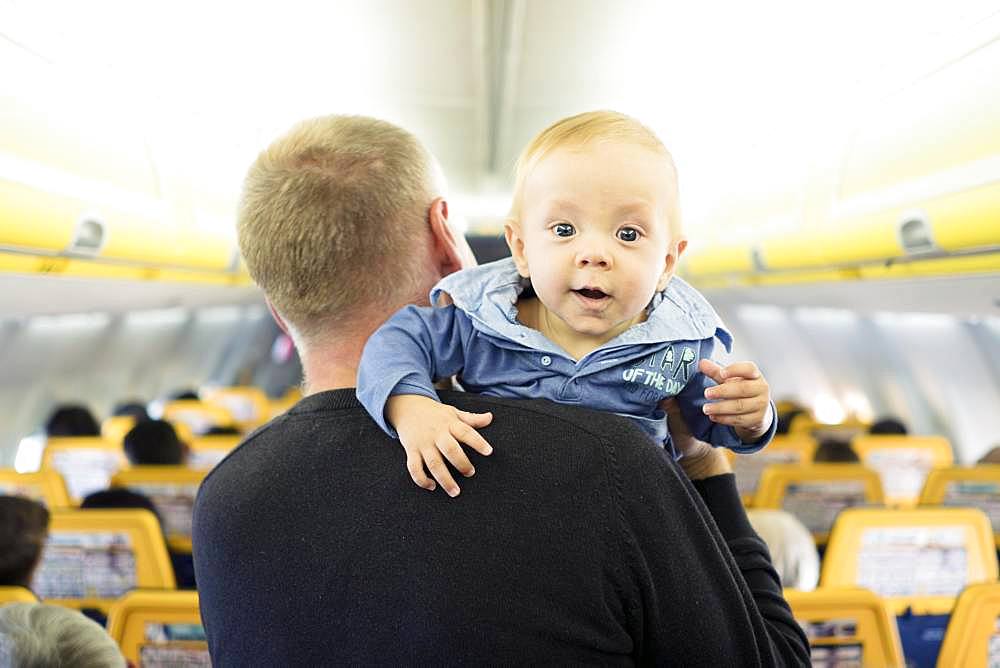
(546, 360)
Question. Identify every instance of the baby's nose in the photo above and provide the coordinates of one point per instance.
(594, 257)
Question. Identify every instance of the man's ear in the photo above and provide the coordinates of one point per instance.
(671, 265)
(451, 251)
(512, 231)
(278, 319)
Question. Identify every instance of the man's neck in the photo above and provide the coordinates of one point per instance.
(333, 364)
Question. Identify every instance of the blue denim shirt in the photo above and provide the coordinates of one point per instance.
(480, 338)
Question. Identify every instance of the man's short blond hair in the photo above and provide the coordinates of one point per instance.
(576, 132)
(329, 216)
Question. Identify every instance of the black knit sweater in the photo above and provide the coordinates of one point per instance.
(577, 542)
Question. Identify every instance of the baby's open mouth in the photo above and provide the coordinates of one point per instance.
(591, 293)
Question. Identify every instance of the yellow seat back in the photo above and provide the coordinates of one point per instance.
(972, 639)
(782, 450)
(172, 490)
(847, 627)
(976, 487)
(207, 451)
(159, 628)
(920, 558)
(197, 416)
(94, 556)
(16, 595)
(114, 428)
(46, 486)
(903, 462)
(249, 406)
(86, 463)
(816, 493)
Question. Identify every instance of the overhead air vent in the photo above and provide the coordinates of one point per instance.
(915, 234)
(88, 237)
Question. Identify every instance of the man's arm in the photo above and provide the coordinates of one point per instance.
(711, 474)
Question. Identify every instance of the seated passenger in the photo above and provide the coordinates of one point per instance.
(991, 457)
(132, 408)
(793, 551)
(154, 443)
(835, 451)
(72, 420)
(888, 426)
(24, 527)
(119, 497)
(38, 635)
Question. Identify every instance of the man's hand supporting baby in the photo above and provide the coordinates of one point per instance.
(429, 430)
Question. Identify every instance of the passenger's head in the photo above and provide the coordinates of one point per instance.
(888, 426)
(119, 498)
(792, 549)
(833, 450)
(595, 215)
(24, 526)
(37, 634)
(991, 457)
(154, 442)
(72, 420)
(333, 224)
(131, 408)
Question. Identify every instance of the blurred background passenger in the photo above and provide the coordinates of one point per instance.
(183, 395)
(131, 408)
(154, 443)
(835, 451)
(991, 457)
(788, 410)
(793, 551)
(888, 426)
(72, 420)
(36, 635)
(24, 527)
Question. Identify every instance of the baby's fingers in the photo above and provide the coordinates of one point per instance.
(463, 433)
(438, 469)
(415, 465)
(476, 420)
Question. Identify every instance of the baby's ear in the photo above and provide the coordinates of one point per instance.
(443, 299)
(671, 264)
(512, 232)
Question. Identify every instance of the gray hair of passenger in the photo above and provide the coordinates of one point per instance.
(793, 551)
(36, 635)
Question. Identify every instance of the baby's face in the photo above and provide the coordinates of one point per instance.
(594, 235)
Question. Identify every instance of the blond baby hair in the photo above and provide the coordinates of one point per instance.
(577, 132)
(328, 211)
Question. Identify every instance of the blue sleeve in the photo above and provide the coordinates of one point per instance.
(417, 345)
(691, 401)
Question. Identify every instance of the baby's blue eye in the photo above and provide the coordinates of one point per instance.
(628, 234)
(564, 230)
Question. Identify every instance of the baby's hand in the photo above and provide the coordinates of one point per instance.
(429, 429)
(745, 398)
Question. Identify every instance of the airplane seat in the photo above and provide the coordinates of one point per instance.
(207, 451)
(16, 595)
(115, 427)
(197, 415)
(847, 627)
(782, 450)
(903, 462)
(918, 560)
(86, 463)
(969, 486)
(249, 406)
(159, 628)
(816, 493)
(92, 557)
(45, 486)
(973, 635)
